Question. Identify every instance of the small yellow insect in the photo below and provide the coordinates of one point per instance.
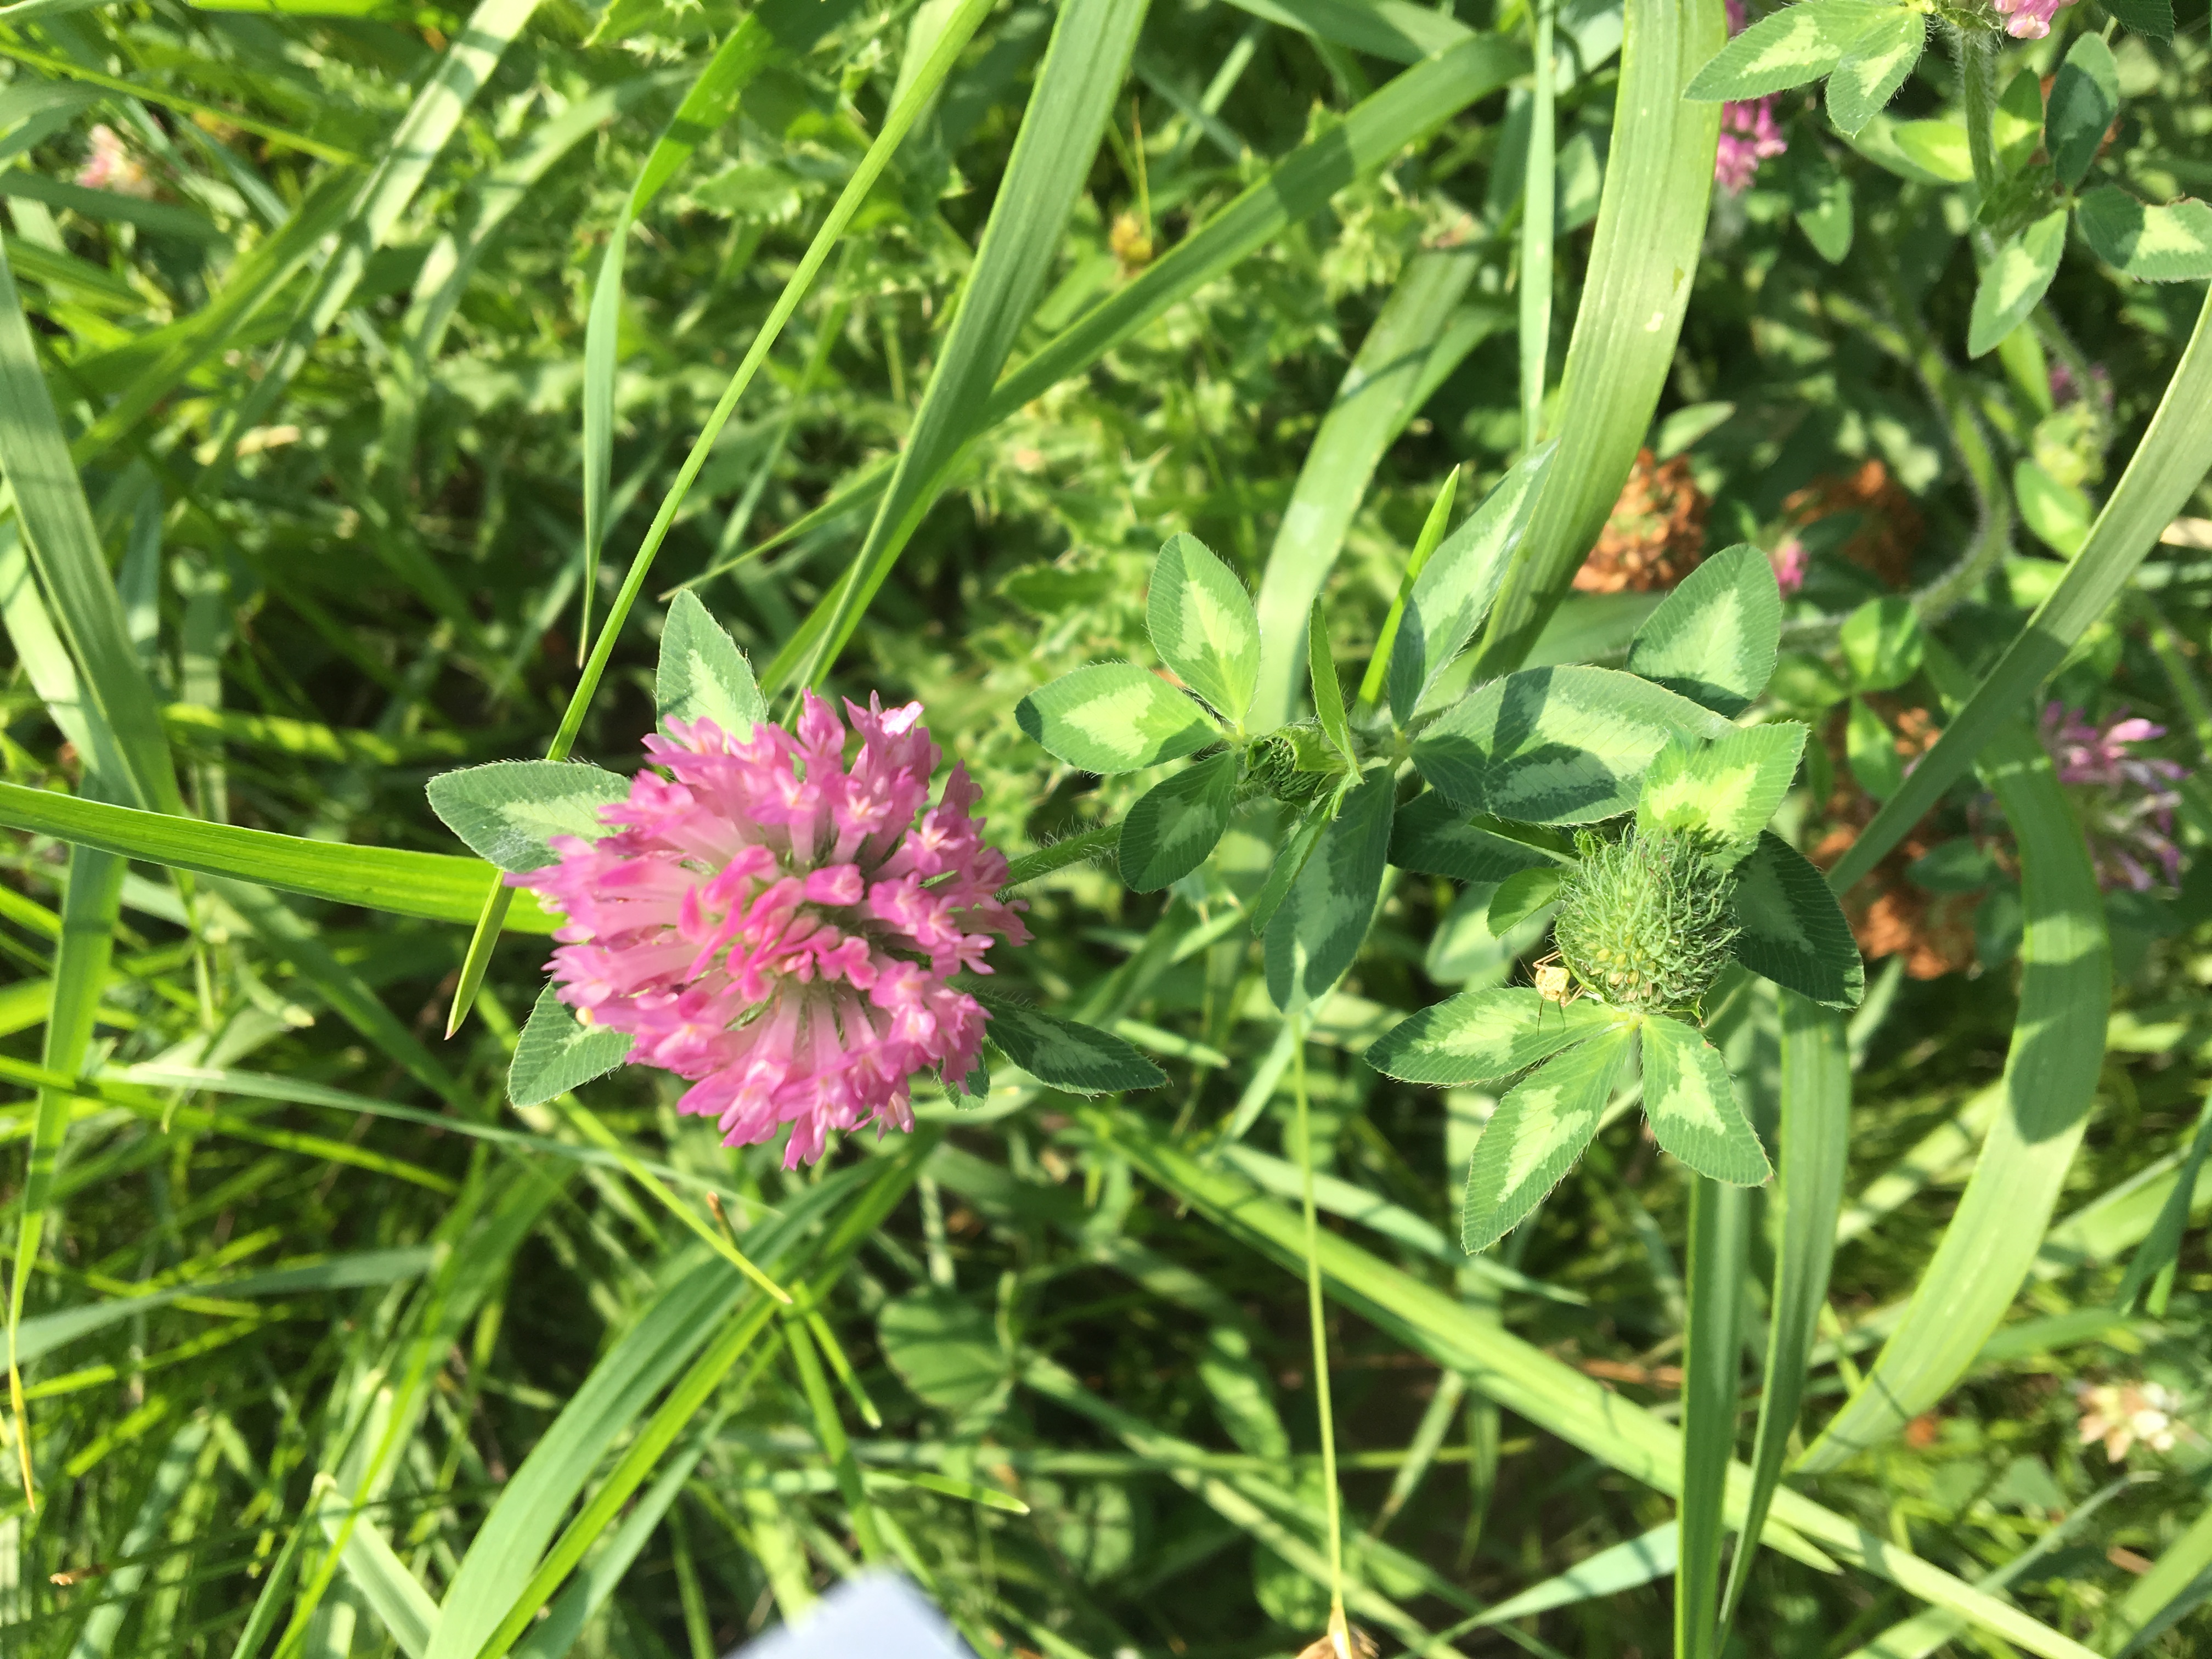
(1554, 983)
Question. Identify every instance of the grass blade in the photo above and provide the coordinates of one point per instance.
(2051, 1077)
(393, 1594)
(1539, 203)
(1432, 532)
(772, 35)
(551, 1637)
(1931, 1627)
(1809, 1191)
(1720, 1238)
(268, 131)
(2152, 1264)
(1371, 408)
(1650, 224)
(81, 964)
(437, 886)
(64, 547)
(1076, 86)
(2178, 1583)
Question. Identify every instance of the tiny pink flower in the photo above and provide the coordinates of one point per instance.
(1789, 561)
(112, 166)
(1749, 135)
(2128, 798)
(1749, 132)
(779, 926)
(2028, 19)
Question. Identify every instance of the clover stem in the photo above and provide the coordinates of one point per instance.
(1336, 1619)
(1978, 77)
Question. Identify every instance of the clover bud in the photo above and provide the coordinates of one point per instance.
(1645, 921)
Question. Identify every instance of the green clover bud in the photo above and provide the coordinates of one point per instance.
(1293, 765)
(1645, 923)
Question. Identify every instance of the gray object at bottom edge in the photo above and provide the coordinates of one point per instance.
(878, 1616)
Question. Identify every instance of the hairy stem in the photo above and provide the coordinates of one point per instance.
(1977, 54)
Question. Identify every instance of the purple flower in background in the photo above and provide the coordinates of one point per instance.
(2028, 19)
(2130, 798)
(1749, 132)
(2066, 386)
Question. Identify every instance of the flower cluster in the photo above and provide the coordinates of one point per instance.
(2129, 797)
(1749, 134)
(776, 925)
(2121, 1414)
(2028, 19)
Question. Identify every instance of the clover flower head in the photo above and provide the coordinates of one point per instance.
(2123, 1414)
(2028, 19)
(781, 926)
(1645, 921)
(2129, 799)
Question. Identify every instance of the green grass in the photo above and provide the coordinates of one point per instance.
(446, 346)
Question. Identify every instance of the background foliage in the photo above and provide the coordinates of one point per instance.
(318, 1333)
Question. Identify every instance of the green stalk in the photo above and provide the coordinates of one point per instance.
(1320, 1331)
(1538, 198)
(1977, 54)
(1713, 1347)
(1432, 532)
(836, 1445)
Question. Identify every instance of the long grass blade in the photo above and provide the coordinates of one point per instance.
(1075, 91)
(81, 963)
(1539, 204)
(772, 35)
(2051, 1078)
(1371, 408)
(1720, 1233)
(437, 886)
(1650, 224)
(2178, 1582)
(64, 547)
(1807, 1193)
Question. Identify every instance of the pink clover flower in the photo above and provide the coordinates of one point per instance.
(779, 926)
